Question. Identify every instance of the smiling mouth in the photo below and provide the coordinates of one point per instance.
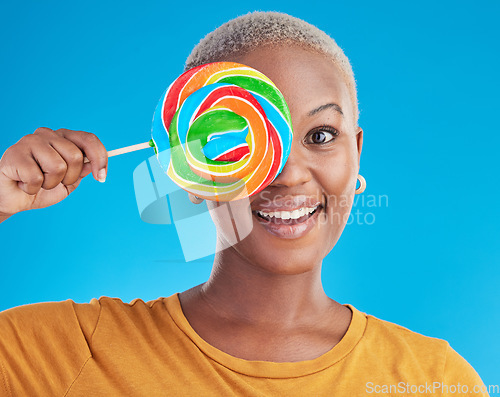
(287, 217)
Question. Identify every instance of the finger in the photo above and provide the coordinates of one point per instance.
(50, 162)
(28, 174)
(93, 149)
(19, 166)
(71, 154)
(43, 130)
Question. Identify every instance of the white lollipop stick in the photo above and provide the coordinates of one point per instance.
(123, 150)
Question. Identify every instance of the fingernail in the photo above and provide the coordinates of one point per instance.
(101, 175)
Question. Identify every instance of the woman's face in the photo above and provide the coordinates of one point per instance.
(320, 172)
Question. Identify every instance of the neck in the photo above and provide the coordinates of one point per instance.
(240, 291)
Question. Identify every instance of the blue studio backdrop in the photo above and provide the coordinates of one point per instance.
(422, 249)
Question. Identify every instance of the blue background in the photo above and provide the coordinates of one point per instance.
(428, 90)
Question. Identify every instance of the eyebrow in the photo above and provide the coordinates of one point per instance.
(327, 106)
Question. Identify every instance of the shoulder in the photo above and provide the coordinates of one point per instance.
(430, 356)
(41, 339)
(52, 338)
(458, 370)
(66, 317)
(399, 338)
(42, 318)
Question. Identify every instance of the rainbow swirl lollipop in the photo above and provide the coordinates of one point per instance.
(228, 129)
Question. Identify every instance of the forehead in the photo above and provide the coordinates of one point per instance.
(307, 79)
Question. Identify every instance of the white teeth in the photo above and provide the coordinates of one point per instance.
(295, 214)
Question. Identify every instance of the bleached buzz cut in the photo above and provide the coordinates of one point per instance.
(255, 29)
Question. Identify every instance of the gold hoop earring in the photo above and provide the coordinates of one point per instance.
(362, 185)
(195, 199)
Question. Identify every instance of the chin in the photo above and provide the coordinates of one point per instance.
(275, 249)
(281, 260)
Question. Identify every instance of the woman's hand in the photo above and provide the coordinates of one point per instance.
(43, 168)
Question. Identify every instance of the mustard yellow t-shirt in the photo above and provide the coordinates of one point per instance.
(111, 348)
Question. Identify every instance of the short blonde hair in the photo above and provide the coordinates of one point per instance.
(243, 34)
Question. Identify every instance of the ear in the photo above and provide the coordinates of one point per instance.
(359, 142)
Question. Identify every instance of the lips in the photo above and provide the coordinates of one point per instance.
(287, 228)
(284, 221)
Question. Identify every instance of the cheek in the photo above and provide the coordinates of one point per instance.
(233, 220)
(336, 174)
(336, 171)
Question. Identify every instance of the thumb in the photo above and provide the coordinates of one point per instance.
(87, 169)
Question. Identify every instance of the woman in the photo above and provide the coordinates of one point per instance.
(262, 324)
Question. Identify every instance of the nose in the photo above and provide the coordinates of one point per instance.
(296, 170)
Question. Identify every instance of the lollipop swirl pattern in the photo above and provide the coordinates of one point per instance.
(228, 129)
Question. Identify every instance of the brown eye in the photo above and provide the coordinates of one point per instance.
(322, 136)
